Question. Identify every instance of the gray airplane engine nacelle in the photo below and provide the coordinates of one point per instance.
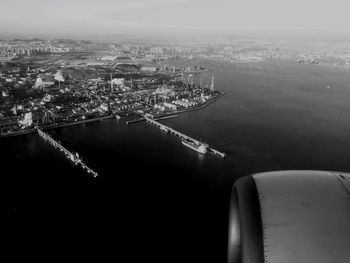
(290, 216)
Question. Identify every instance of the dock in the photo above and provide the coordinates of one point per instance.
(74, 158)
(166, 117)
(135, 121)
(170, 130)
(221, 154)
(143, 119)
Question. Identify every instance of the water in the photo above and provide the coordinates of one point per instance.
(162, 199)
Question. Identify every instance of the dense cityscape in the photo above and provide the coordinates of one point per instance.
(47, 86)
(61, 81)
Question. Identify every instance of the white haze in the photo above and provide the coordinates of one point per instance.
(150, 17)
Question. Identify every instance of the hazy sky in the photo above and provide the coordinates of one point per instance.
(169, 16)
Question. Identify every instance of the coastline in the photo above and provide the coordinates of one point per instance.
(61, 125)
(201, 106)
(55, 125)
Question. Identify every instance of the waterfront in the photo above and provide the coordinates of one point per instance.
(151, 185)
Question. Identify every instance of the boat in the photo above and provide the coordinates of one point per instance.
(117, 117)
(201, 148)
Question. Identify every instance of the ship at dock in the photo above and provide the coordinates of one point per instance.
(194, 144)
(201, 148)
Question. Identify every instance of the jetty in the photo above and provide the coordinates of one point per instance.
(157, 119)
(74, 158)
(170, 130)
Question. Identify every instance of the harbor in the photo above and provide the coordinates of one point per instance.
(74, 158)
(186, 140)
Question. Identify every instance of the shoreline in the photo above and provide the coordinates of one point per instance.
(61, 125)
(201, 106)
(53, 126)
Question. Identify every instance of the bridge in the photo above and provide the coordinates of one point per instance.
(72, 157)
(183, 136)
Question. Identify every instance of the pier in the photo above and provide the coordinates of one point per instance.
(183, 136)
(156, 119)
(72, 157)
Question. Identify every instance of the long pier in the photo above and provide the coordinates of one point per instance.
(183, 136)
(156, 119)
(73, 157)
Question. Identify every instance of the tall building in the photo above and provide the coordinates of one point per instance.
(201, 80)
(212, 84)
(111, 83)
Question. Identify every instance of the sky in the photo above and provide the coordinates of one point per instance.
(151, 17)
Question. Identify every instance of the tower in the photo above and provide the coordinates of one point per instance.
(14, 109)
(212, 84)
(189, 80)
(192, 81)
(111, 83)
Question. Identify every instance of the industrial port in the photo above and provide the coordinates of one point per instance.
(46, 88)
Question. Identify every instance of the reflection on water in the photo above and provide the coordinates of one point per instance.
(200, 158)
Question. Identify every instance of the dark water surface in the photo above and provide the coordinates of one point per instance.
(161, 200)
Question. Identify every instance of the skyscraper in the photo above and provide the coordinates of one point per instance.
(212, 84)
